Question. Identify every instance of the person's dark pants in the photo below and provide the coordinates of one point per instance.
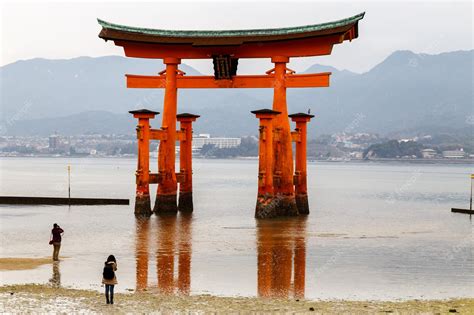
(109, 293)
(56, 247)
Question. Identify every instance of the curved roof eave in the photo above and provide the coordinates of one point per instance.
(287, 32)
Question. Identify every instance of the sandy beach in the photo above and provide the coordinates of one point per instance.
(32, 298)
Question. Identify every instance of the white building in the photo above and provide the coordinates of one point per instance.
(455, 154)
(428, 153)
(202, 139)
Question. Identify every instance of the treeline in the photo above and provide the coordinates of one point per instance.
(394, 149)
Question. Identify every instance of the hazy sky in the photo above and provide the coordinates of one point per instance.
(67, 29)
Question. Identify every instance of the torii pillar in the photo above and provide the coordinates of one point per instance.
(283, 166)
(167, 185)
(185, 203)
(142, 199)
(301, 188)
(266, 203)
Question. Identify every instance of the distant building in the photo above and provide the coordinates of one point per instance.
(53, 142)
(356, 155)
(221, 142)
(455, 154)
(428, 153)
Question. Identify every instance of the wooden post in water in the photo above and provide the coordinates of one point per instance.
(142, 199)
(69, 183)
(467, 211)
(470, 199)
(266, 203)
(300, 178)
(185, 136)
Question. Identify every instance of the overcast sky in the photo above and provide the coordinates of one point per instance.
(53, 29)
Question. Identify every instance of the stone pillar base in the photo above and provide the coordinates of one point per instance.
(185, 202)
(302, 203)
(266, 207)
(286, 205)
(142, 205)
(165, 204)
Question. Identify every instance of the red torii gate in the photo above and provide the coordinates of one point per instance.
(276, 177)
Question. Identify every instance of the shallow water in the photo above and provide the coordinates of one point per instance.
(376, 231)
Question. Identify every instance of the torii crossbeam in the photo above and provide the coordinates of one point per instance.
(225, 48)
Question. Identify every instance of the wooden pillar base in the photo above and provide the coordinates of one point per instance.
(142, 205)
(266, 207)
(185, 202)
(302, 203)
(286, 205)
(165, 204)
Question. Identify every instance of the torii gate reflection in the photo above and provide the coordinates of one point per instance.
(281, 247)
(281, 256)
(173, 240)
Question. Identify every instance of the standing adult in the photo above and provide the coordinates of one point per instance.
(56, 240)
(109, 278)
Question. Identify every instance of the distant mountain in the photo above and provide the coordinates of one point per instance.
(406, 91)
(90, 122)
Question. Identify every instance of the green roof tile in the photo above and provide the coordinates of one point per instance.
(232, 33)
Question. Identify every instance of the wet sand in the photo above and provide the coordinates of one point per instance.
(33, 298)
(12, 263)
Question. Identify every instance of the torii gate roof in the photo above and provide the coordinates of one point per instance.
(224, 37)
(241, 43)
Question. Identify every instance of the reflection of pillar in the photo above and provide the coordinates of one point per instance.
(142, 200)
(301, 189)
(266, 205)
(166, 195)
(299, 262)
(283, 166)
(184, 248)
(165, 253)
(282, 259)
(281, 249)
(141, 252)
(264, 258)
(185, 203)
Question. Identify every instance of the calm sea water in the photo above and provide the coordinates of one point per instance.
(376, 231)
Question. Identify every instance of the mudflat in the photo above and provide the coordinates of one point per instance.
(12, 263)
(32, 298)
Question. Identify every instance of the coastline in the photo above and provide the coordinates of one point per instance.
(255, 158)
(36, 298)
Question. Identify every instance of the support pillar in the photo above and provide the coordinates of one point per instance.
(142, 199)
(266, 204)
(301, 189)
(167, 185)
(283, 166)
(185, 202)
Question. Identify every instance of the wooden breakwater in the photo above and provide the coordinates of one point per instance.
(22, 200)
(458, 210)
